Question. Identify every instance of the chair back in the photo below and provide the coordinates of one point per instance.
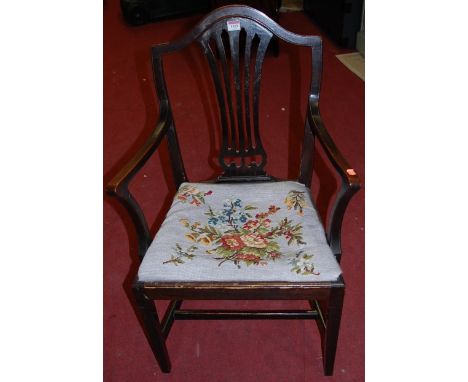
(234, 40)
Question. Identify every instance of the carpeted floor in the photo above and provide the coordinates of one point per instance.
(230, 351)
(354, 62)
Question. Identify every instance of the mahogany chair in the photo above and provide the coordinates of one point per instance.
(246, 234)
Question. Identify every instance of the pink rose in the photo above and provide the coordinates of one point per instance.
(254, 241)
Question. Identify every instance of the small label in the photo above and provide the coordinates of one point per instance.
(351, 172)
(233, 25)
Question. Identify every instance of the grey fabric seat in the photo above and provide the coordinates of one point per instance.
(267, 231)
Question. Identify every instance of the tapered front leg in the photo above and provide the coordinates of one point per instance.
(152, 327)
(330, 334)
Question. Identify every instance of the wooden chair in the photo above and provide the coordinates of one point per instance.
(234, 254)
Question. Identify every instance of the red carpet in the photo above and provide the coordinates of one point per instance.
(223, 350)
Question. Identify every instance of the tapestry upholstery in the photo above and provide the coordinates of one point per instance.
(265, 231)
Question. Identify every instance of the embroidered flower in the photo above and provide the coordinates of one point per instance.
(193, 194)
(274, 255)
(195, 202)
(296, 200)
(232, 242)
(273, 209)
(266, 223)
(234, 235)
(191, 190)
(248, 257)
(191, 237)
(205, 240)
(254, 241)
(251, 225)
(262, 215)
(181, 254)
(303, 265)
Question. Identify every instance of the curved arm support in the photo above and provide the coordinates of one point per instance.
(138, 219)
(125, 175)
(118, 186)
(350, 182)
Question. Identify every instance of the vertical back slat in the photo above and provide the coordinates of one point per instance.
(234, 45)
(219, 90)
(227, 87)
(262, 47)
(248, 47)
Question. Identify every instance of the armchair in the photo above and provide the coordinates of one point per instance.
(246, 234)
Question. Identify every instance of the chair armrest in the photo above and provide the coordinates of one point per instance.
(342, 166)
(120, 181)
(350, 182)
(118, 186)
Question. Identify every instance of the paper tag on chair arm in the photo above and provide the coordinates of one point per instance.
(233, 25)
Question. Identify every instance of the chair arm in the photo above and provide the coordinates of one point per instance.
(118, 186)
(121, 180)
(350, 182)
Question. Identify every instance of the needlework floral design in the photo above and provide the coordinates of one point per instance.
(296, 200)
(180, 254)
(193, 195)
(302, 264)
(243, 235)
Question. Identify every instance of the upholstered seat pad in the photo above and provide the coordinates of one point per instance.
(267, 231)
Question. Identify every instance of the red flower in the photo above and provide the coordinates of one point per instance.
(195, 201)
(266, 222)
(209, 192)
(274, 255)
(251, 224)
(248, 257)
(262, 215)
(232, 242)
(272, 209)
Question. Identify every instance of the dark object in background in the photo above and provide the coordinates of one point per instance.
(341, 19)
(268, 7)
(139, 12)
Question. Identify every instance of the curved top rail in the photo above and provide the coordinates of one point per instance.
(239, 11)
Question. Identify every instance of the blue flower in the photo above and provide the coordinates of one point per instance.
(212, 221)
(237, 203)
(222, 218)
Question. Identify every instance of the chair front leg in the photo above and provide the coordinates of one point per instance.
(330, 334)
(153, 330)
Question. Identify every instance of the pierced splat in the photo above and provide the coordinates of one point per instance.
(235, 49)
